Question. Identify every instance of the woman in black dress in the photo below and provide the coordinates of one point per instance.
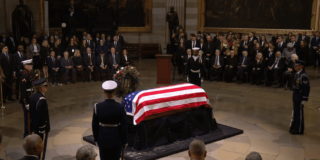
(72, 48)
(181, 53)
(58, 49)
(289, 73)
(78, 64)
(83, 47)
(230, 67)
(257, 69)
(44, 54)
(51, 42)
(303, 51)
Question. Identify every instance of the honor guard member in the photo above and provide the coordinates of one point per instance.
(195, 65)
(301, 89)
(26, 91)
(109, 124)
(39, 113)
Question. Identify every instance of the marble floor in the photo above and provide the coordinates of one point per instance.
(262, 112)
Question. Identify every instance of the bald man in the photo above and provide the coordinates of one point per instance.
(33, 146)
(197, 150)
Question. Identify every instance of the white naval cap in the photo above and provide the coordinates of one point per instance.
(109, 85)
(27, 62)
(196, 48)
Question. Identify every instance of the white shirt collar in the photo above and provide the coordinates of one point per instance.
(299, 71)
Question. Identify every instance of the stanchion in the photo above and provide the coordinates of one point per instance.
(1, 74)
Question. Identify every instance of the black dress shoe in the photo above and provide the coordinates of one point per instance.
(11, 99)
(295, 132)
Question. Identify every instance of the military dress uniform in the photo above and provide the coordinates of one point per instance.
(301, 89)
(109, 126)
(195, 67)
(26, 90)
(39, 113)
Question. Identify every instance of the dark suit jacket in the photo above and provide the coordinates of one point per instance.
(64, 63)
(123, 60)
(208, 49)
(247, 61)
(42, 38)
(121, 40)
(274, 40)
(118, 47)
(29, 158)
(110, 60)
(100, 48)
(11, 44)
(189, 44)
(314, 42)
(283, 46)
(221, 60)
(7, 66)
(50, 63)
(18, 60)
(306, 38)
(92, 45)
(87, 62)
(281, 63)
(242, 47)
(99, 61)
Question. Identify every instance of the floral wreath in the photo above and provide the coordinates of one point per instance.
(128, 81)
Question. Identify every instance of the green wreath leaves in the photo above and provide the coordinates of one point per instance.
(128, 81)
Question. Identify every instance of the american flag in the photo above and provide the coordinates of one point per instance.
(141, 104)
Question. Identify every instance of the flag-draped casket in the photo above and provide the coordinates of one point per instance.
(163, 115)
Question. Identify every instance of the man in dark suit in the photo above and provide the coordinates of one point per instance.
(208, 50)
(193, 42)
(294, 42)
(89, 64)
(201, 45)
(84, 35)
(200, 35)
(66, 64)
(7, 63)
(101, 65)
(120, 38)
(243, 66)
(244, 43)
(115, 44)
(274, 70)
(39, 113)
(56, 35)
(252, 38)
(304, 37)
(33, 146)
(113, 61)
(124, 59)
(217, 63)
(269, 53)
(90, 43)
(53, 67)
(314, 48)
(275, 39)
(18, 58)
(109, 124)
(281, 45)
(97, 39)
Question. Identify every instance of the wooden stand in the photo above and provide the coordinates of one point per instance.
(163, 68)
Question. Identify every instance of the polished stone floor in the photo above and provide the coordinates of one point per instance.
(262, 112)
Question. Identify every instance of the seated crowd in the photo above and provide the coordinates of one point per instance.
(57, 58)
(239, 58)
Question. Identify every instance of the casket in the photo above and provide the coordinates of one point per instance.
(167, 114)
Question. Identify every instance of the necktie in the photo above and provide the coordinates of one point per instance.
(12, 42)
(115, 44)
(244, 58)
(192, 44)
(279, 45)
(275, 63)
(216, 61)
(7, 57)
(54, 62)
(208, 45)
(88, 42)
(114, 60)
(90, 59)
(270, 54)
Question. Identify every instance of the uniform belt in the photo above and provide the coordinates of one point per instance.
(108, 125)
(29, 90)
(195, 71)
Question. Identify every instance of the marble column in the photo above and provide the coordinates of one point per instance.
(179, 7)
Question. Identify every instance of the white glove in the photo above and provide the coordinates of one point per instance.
(303, 102)
(187, 79)
(27, 107)
(201, 80)
(42, 132)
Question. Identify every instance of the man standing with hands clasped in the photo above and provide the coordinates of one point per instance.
(109, 124)
(194, 65)
(301, 90)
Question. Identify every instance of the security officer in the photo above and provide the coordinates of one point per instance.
(39, 113)
(109, 124)
(26, 90)
(301, 89)
(195, 66)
